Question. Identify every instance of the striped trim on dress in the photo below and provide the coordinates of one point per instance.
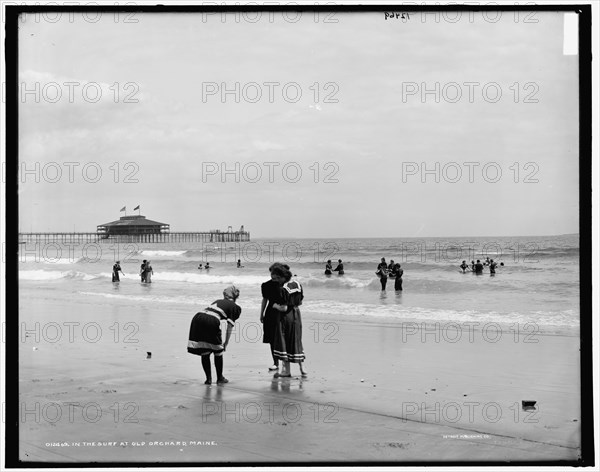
(204, 345)
(289, 357)
(293, 287)
(218, 312)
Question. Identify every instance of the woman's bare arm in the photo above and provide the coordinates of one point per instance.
(227, 335)
(262, 309)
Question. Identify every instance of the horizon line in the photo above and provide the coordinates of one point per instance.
(334, 237)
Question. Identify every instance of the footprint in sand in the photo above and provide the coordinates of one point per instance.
(398, 445)
(56, 393)
(181, 382)
(392, 444)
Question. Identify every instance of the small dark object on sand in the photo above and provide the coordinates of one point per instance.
(528, 405)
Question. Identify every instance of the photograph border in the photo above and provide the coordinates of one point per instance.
(12, 13)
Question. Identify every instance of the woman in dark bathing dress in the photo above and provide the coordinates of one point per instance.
(288, 335)
(205, 332)
(269, 316)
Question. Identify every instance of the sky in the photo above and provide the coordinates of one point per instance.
(345, 125)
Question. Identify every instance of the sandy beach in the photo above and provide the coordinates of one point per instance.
(375, 392)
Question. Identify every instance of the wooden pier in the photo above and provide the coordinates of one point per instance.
(179, 237)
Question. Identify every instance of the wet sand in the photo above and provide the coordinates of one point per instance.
(376, 393)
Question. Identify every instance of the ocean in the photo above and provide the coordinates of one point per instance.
(537, 290)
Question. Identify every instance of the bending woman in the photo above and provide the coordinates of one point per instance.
(205, 332)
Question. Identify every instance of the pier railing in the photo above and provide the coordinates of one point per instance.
(172, 237)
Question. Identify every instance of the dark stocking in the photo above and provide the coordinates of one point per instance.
(219, 366)
(275, 360)
(206, 366)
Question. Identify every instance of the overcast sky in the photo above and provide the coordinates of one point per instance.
(141, 102)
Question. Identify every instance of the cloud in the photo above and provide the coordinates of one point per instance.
(38, 87)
